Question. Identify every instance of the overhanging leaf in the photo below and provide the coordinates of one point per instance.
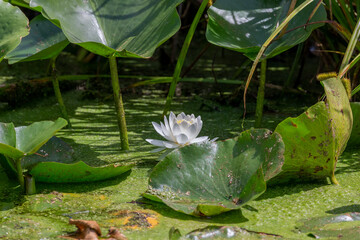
(127, 28)
(315, 139)
(212, 178)
(44, 41)
(13, 26)
(245, 25)
(354, 140)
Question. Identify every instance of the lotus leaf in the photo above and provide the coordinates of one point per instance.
(315, 139)
(244, 26)
(215, 177)
(13, 26)
(44, 41)
(127, 28)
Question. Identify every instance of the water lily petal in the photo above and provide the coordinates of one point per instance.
(182, 139)
(172, 120)
(167, 134)
(157, 150)
(171, 144)
(155, 142)
(199, 125)
(192, 131)
(200, 139)
(184, 125)
(176, 130)
(158, 128)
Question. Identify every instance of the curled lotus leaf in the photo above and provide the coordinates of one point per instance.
(215, 177)
(315, 139)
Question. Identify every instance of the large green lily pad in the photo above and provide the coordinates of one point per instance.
(16, 142)
(13, 26)
(126, 28)
(315, 140)
(44, 41)
(244, 26)
(354, 140)
(216, 177)
(341, 226)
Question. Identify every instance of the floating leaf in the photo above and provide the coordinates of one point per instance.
(354, 140)
(341, 226)
(245, 25)
(315, 140)
(44, 41)
(13, 26)
(127, 28)
(25, 140)
(215, 177)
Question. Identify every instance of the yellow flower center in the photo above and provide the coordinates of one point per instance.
(181, 120)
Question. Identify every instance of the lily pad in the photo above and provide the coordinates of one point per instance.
(354, 140)
(16, 142)
(215, 177)
(315, 140)
(341, 226)
(13, 26)
(244, 26)
(44, 41)
(127, 28)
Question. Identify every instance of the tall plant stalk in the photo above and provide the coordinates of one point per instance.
(260, 95)
(182, 56)
(55, 82)
(118, 104)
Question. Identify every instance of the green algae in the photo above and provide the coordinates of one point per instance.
(94, 138)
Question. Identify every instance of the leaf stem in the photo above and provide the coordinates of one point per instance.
(20, 174)
(182, 56)
(333, 179)
(55, 82)
(118, 103)
(260, 95)
(30, 186)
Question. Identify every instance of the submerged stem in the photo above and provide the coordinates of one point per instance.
(118, 104)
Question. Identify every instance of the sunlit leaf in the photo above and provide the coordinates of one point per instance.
(212, 178)
(44, 41)
(13, 26)
(127, 28)
(315, 139)
(245, 25)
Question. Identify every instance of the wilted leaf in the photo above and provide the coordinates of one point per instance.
(245, 25)
(126, 28)
(315, 139)
(13, 26)
(44, 41)
(216, 177)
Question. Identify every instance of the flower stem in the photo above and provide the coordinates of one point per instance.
(20, 174)
(182, 56)
(118, 104)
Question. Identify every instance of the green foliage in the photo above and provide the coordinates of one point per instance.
(354, 140)
(315, 140)
(127, 28)
(44, 41)
(244, 26)
(13, 26)
(214, 177)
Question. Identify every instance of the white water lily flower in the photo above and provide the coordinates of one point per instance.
(179, 131)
